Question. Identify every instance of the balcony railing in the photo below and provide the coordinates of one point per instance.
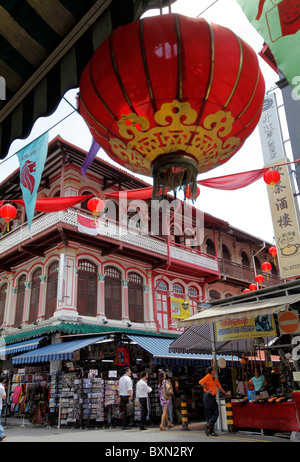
(245, 274)
(110, 230)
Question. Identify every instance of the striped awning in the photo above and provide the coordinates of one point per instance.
(55, 352)
(44, 46)
(29, 345)
(159, 349)
(235, 311)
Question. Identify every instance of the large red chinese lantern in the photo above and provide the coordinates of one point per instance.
(95, 205)
(171, 96)
(272, 177)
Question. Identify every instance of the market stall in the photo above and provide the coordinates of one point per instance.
(266, 399)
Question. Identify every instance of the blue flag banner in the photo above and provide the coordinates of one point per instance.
(32, 160)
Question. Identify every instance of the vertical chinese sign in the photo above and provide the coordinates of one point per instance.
(284, 210)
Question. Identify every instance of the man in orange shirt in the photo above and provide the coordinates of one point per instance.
(211, 385)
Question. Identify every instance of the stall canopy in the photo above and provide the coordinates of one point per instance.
(56, 351)
(20, 347)
(44, 46)
(159, 348)
(235, 311)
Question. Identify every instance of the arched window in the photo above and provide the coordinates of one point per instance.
(225, 252)
(87, 288)
(135, 297)
(210, 247)
(20, 301)
(177, 289)
(51, 299)
(35, 295)
(113, 305)
(245, 259)
(214, 295)
(3, 292)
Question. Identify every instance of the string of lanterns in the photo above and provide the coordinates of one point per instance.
(266, 266)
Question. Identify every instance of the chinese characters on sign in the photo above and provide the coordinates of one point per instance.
(281, 198)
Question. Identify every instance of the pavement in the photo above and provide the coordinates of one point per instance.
(113, 441)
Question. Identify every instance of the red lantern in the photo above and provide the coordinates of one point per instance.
(95, 205)
(266, 266)
(260, 278)
(181, 104)
(272, 177)
(253, 287)
(8, 212)
(245, 291)
(273, 251)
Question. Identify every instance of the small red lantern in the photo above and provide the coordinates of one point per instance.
(260, 278)
(253, 287)
(8, 212)
(245, 291)
(272, 177)
(266, 266)
(95, 205)
(189, 193)
(273, 252)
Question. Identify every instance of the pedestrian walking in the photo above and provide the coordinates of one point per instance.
(2, 397)
(142, 391)
(211, 386)
(164, 388)
(125, 394)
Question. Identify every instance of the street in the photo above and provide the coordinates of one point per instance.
(133, 442)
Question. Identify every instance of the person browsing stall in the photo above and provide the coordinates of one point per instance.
(125, 393)
(211, 385)
(142, 391)
(2, 398)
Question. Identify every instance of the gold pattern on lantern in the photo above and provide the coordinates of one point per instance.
(175, 132)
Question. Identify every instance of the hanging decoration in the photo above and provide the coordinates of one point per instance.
(122, 357)
(172, 128)
(245, 291)
(273, 252)
(95, 205)
(272, 177)
(8, 212)
(266, 266)
(260, 279)
(253, 287)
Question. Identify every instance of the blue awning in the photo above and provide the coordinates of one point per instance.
(159, 348)
(31, 344)
(56, 351)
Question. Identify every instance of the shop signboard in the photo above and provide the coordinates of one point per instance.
(244, 328)
(177, 311)
(284, 208)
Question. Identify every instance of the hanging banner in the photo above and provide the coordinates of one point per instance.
(32, 160)
(278, 22)
(243, 328)
(284, 209)
(177, 311)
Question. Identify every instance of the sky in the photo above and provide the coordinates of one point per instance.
(246, 209)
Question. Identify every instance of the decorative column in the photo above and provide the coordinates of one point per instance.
(43, 295)
(26, 302)
(125, 305)
(101, 296)
(146, 304)
(9, 301)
